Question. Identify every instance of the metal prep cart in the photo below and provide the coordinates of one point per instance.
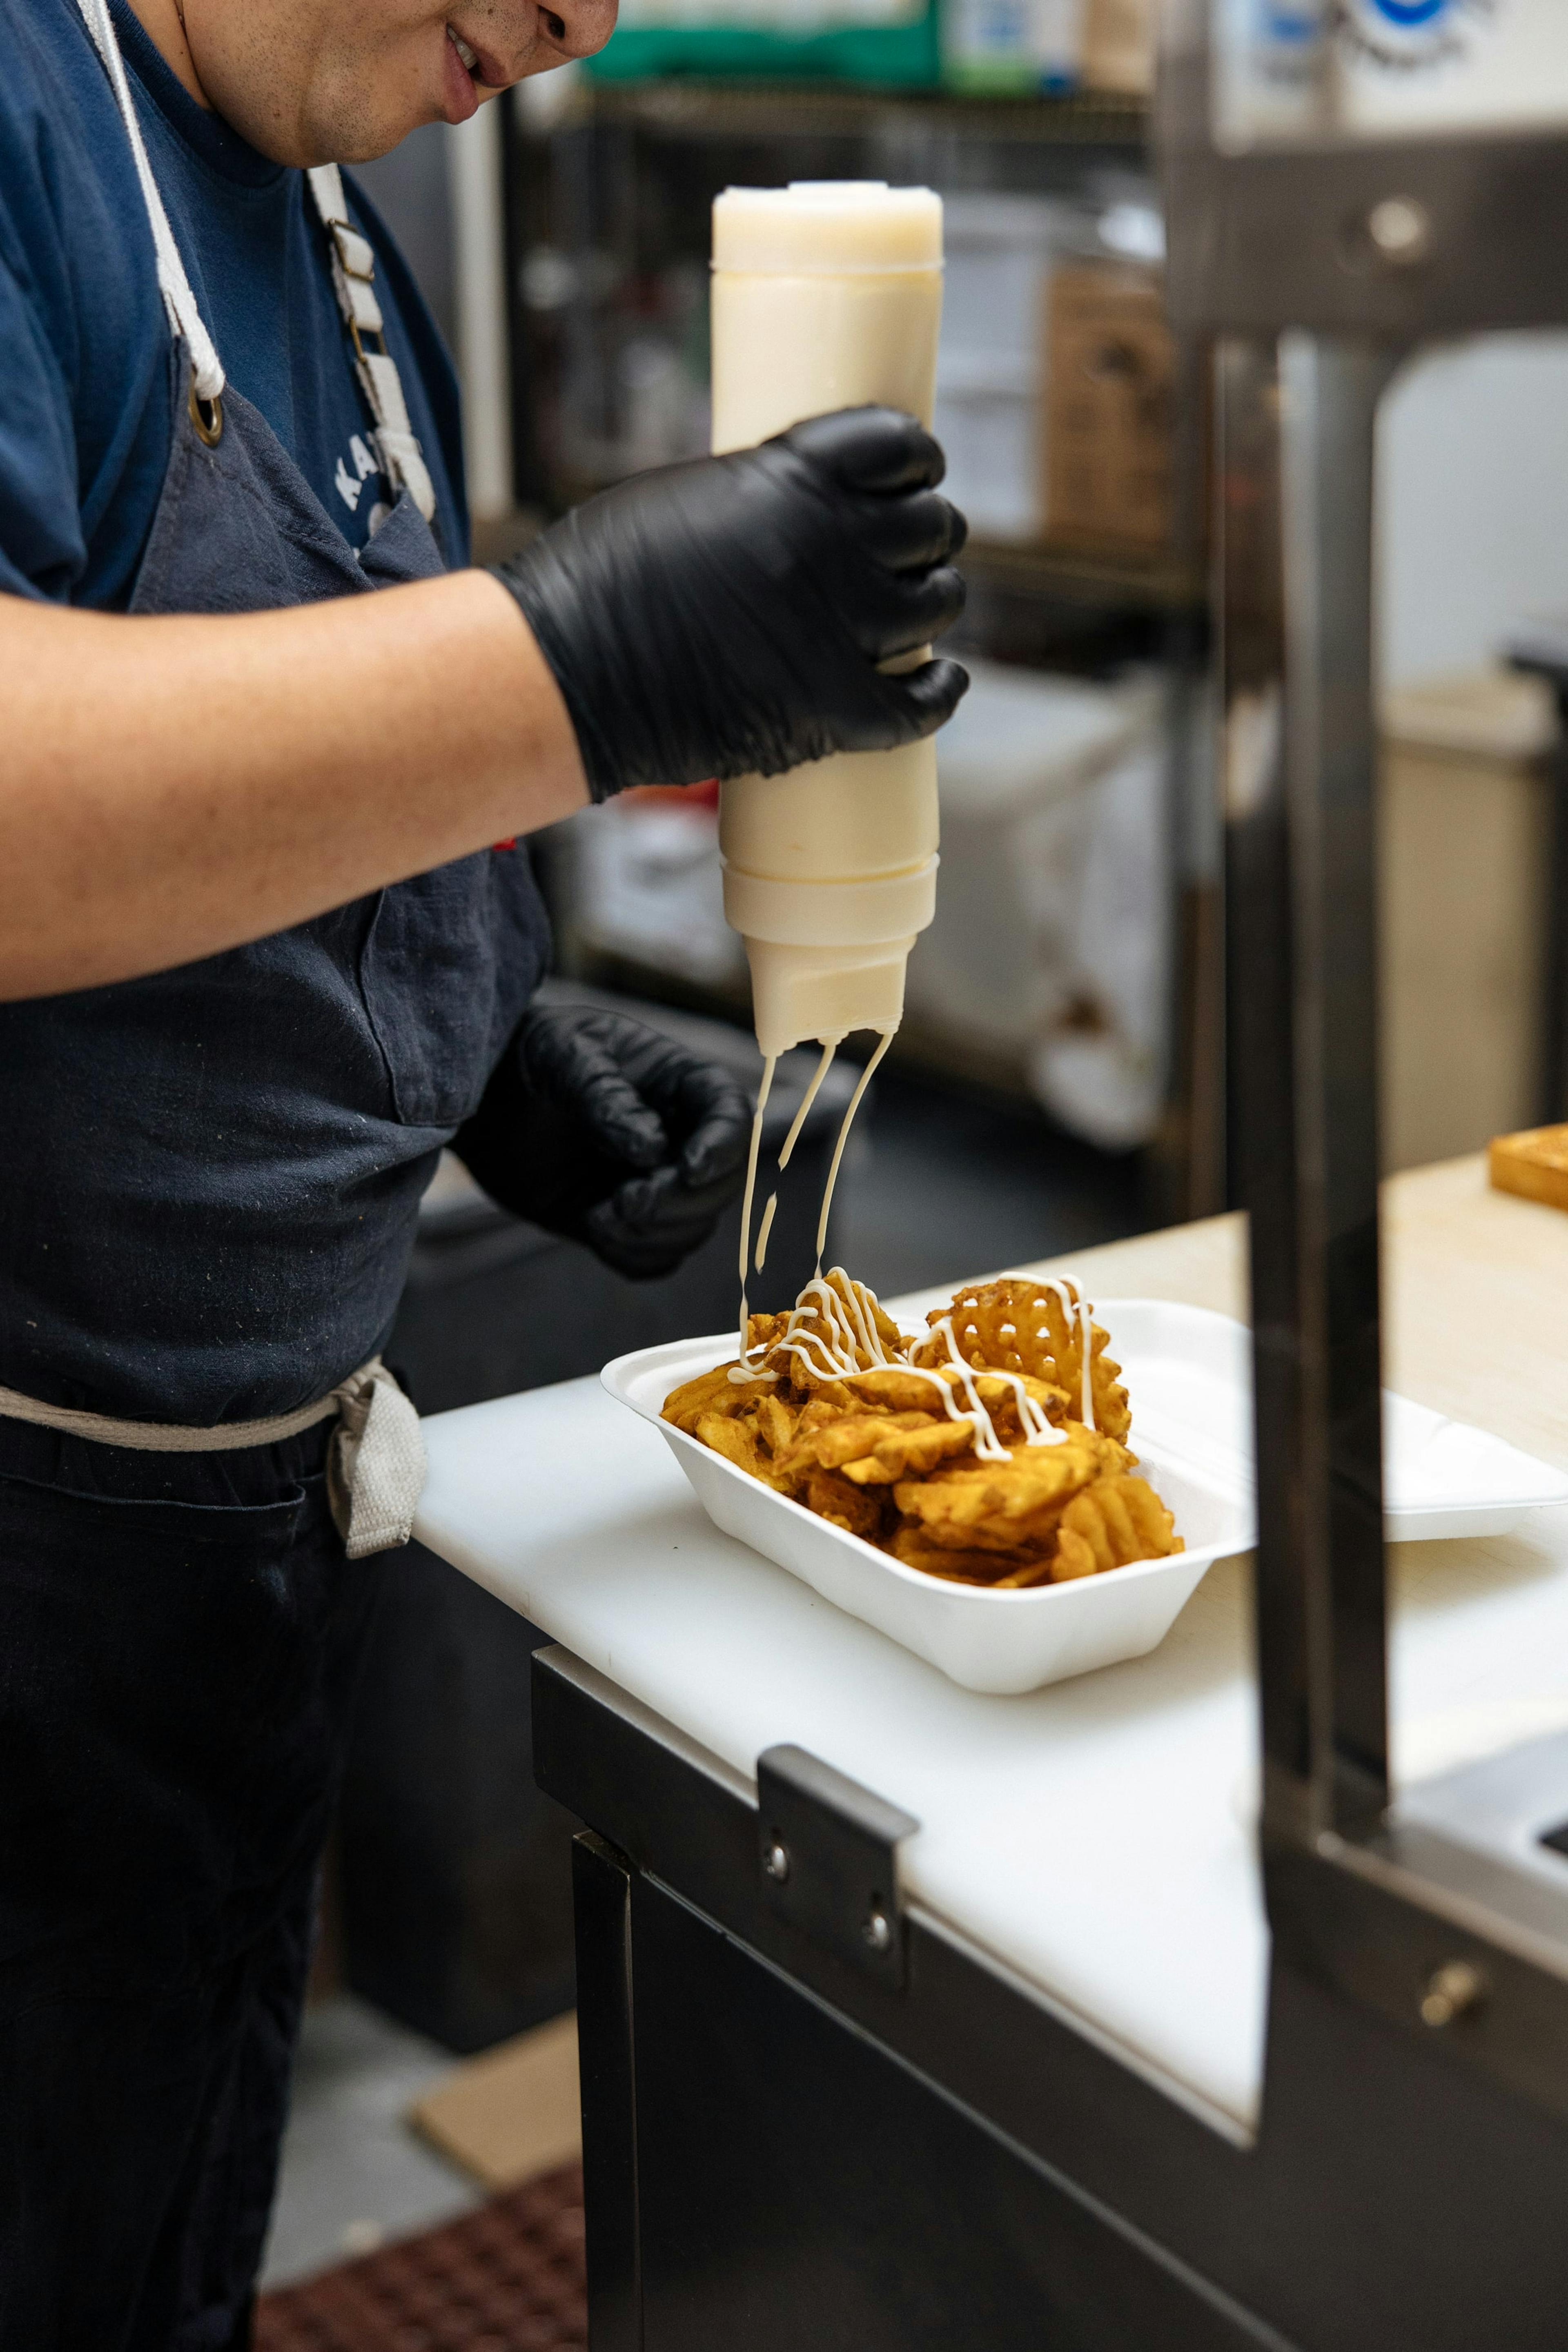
(1092, 2079)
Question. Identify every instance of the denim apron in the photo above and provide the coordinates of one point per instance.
(208, 1185)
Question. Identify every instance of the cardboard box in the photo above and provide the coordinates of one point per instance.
(1118, 46)
(1109, 410)
(1464, 827)
(1535, 1166)
(513, 2114)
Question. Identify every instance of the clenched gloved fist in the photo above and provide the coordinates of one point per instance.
(727, 617)
(607, 1133)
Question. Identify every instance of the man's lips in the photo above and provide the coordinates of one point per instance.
(461, 94)
(486, 68)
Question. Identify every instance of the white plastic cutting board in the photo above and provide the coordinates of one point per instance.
(574, 1512)
(1095, 1837)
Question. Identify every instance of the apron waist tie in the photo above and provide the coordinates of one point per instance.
(375, 1467)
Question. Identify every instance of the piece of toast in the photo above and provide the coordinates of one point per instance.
(1534, 1164)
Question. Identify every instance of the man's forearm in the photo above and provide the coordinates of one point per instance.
(171, 787)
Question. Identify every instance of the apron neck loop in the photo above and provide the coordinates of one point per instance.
(354, 282)
(185, 318)
(353, 274)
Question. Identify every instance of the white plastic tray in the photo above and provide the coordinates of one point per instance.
(1000, 1641)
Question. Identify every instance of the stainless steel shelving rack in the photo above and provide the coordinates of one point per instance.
(627, 171)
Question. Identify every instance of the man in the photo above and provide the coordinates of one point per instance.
(259, 960)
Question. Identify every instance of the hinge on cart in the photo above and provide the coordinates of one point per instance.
(828, 1853)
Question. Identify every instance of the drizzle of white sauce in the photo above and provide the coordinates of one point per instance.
(834, 1333)
(767, 1226)
(770, 1064)
(1032, 1420)
(747, 1369)
(829, 1047)
(849, 1319)
(855, 1102)
(848, 1329)
(1071, 1306)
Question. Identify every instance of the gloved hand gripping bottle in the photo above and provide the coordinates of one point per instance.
(827, 295)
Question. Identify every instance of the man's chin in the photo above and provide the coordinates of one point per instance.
(362, 145)
(348, 127)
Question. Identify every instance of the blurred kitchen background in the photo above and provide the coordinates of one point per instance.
(1060, 1078)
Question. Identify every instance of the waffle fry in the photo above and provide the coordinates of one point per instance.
(710, 1393)
(978, 1453)
(1017, 1325)
(1112, 1524)
(1011, 1505)
(834, 1497)
(737, 1442)
(998, 1570)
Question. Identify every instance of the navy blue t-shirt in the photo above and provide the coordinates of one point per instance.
(85, 387)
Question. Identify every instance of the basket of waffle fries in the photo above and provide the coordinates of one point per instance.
(971, 1489)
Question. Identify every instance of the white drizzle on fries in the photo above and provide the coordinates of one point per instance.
(850, 1317)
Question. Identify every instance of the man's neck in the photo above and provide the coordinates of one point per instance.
(164, 24)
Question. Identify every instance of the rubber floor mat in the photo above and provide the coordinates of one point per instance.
(509, 2278)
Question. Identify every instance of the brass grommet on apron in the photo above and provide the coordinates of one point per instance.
(207, 415)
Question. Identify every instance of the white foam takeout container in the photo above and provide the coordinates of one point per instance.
(1002, 1641)
(1188, 1374)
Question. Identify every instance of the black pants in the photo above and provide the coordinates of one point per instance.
(179, 1638)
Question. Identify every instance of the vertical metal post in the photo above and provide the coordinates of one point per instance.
(1551, 663)
(1297, 434)
(522, 170)
(476, 166)
(1554, 1085)
(1196, 1090)
(601, 1886)
(1189, 1153)
(1331, 389)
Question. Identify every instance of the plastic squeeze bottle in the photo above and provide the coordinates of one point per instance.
(825, 294)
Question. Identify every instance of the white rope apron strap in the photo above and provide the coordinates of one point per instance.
(375, 1470)
(185, 318)
(354, 282)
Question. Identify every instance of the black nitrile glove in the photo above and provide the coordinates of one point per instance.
(726, 617)
(605, 1132)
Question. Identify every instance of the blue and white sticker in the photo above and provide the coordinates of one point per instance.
(1406, 35)
(1293, 23)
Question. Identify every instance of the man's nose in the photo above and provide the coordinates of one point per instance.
(580, 27)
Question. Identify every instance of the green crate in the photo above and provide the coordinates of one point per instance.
(904, 56)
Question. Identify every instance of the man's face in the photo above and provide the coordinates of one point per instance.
(314, 82)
